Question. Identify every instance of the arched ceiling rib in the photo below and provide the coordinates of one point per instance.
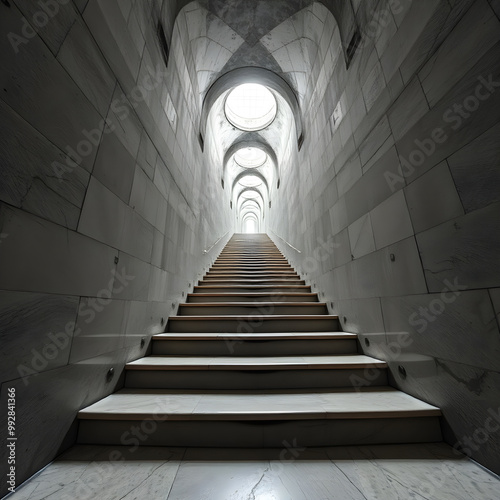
(276, 43)
(251, 140)
(242, 175)
(251, 75)
(276, 35)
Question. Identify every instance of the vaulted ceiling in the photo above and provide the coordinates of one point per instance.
(287, 38)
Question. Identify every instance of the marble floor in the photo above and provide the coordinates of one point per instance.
(384, 472)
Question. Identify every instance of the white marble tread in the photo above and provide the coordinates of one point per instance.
(384, 403)
(340, 361)
(251, 294)
(251, 304)
(274, 317)
(256, 336)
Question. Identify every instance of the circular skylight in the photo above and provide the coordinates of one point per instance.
(250, 107)
(251, 195)
(249, 204)
(250, 181)
(250, 157)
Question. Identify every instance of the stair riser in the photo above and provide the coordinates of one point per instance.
(259, 325)
(248, 261)
(252, 251)
(264, 264)
(216, 275)
(259, 264)
(233, 289)
(262, 434)
(260, 256)
(251, 276)
(250, 265)
(252, 379)
(278, 308)
(256, 282)
(232, 347)
(195, 298)
(254, 270)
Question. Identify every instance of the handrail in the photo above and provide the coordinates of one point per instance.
(208, 250)
(282, 239)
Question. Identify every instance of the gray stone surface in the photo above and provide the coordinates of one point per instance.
(37, 176)
(433, 199)
(155, 202)
(391, 221)
(475, 170)
(36, 332)
(464, 249)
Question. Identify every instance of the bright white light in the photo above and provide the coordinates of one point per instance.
(250, 107)
(250, 225)
(250, 157)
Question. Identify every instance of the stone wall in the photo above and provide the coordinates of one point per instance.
(103, 220)
(392, 203)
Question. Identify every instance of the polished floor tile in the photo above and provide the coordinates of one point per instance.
(386, 472)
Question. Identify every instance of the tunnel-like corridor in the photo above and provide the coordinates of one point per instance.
(137, 137)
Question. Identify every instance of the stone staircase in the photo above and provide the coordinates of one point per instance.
(253, 359)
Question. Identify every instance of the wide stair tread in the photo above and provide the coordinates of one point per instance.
(255, 362)
(130, 404)
(200, 297)
(255, 308)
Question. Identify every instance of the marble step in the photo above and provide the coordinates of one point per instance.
(245, 245)
(254, 344)
(255, 372)
(252, 263)
(238, 288)
(247, 273)
(251, 268)
(236, 273)
(278, 296)
(251, 324)
(251, 258)
(252, 308)
(260, 419)
(263, 254)
(250, 276)
(250, 282)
